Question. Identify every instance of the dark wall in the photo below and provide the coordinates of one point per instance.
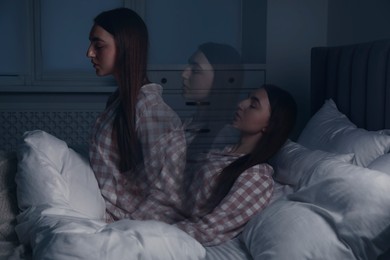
(355, 21)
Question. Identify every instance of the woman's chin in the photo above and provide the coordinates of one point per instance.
(101, 73)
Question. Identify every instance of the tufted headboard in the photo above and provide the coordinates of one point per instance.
(357, 77)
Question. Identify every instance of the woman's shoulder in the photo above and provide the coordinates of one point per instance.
(262, 170)
(150, 100)
(152, 88)
(221, 154)
(152, 109)
(255, 179)
(149, 93)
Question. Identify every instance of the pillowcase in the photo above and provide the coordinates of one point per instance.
(355, 201)
(293, 161)
(292, 230)
(84, 192)
(51, 174)
(382, 164)
(331, 131)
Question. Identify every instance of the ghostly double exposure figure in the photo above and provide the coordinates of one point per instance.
(212, 81)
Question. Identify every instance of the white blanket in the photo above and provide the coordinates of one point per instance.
(62, 211)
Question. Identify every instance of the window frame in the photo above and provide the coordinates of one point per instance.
(36, 80)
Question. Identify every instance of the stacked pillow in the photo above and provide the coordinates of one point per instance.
(331, 135)
(294, 160)
(330, 130)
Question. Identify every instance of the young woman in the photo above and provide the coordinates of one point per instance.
(233, 184)
(133, 155)
(138, 172)
(212, 82)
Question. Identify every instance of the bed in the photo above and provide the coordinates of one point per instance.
(340, 206)
(332, 199)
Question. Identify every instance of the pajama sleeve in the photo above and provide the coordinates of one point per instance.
(249, 195)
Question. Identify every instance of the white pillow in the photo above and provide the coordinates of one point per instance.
(293, 161)
(356, 203)
(382, 164)
(292, 230)
(51, 174)
(342, 213)
(84, 192)
(332, 131)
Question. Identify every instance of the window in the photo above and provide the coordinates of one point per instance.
(46, 44)
(47, 39)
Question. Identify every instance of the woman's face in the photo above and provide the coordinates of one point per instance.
(102, 51)
(198, 77)
(253, 113)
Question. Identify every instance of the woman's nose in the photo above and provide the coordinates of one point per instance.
(240, 105)
(243, 104)
(90, 52)
(186, 72)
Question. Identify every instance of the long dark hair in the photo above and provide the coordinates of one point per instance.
(281, 123)
(131, 39)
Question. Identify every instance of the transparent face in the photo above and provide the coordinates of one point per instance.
(197, 77)
(253, 113)
(102, 51)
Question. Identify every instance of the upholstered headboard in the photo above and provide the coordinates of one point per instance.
(357, 77)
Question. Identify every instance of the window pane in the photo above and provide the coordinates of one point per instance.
(14, 42)
(64, 32)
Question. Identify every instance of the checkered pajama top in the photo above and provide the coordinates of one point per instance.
(249, 195)
(158, 195)
(159, 130)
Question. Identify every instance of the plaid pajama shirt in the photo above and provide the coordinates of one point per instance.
(164, 149)
(159, 129)
(250, 194)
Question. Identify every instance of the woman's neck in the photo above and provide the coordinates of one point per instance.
(246, 144)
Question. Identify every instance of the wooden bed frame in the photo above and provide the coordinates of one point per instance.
(357, 78)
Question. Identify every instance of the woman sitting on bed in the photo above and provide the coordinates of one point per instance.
(233, 184)
(131, 153)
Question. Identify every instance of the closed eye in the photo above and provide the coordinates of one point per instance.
(255, 102)
(195, 68)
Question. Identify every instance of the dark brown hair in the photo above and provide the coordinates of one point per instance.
(281, 123)
(131, 39)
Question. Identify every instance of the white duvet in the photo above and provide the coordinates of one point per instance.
(62, 211)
